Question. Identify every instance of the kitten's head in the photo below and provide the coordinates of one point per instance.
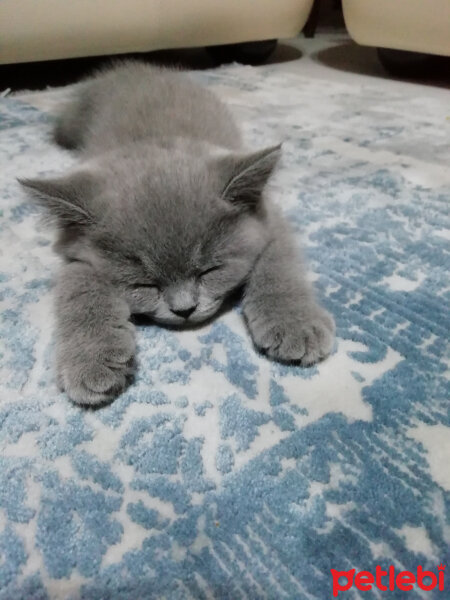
(174, 233)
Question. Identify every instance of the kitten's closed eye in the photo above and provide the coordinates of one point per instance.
(142, 289)
(143, 296)
(138, 286)
(209, 270)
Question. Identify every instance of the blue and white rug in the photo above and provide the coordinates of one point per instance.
(218, 474)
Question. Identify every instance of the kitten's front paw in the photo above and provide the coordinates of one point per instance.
(94, 370)
(295, 338)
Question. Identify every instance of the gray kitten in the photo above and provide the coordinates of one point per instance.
(166, 215)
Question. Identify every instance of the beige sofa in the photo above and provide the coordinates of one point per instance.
(33, 30)
(414, 25)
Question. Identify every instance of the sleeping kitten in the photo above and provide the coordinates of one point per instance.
(165, 214)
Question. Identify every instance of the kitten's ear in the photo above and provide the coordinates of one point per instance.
(247, 175)
(66, 199)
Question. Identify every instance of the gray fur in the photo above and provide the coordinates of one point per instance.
(166, 215)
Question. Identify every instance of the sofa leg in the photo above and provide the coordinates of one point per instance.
(310, 27)
(401, 63)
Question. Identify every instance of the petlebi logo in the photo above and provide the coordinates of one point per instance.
(388, 580)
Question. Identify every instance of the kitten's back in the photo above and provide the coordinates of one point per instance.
(134, 101)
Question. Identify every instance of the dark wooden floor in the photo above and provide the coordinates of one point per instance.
(39, 75)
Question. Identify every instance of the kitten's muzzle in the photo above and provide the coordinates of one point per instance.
(182, 298)
(184, 313)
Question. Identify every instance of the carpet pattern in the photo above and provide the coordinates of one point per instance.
(219, 474)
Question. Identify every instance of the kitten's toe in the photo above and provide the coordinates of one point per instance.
(93, 384)
(103, 380)
(296, 339)
(318, 338)
(103, 371)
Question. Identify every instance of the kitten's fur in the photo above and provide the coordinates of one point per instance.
(166, 215)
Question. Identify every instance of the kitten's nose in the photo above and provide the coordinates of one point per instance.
(182, 298)
(185, 312)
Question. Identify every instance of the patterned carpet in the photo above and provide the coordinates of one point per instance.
(219, 474)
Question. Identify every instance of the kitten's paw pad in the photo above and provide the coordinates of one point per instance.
(102, 370)
(293, 339)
